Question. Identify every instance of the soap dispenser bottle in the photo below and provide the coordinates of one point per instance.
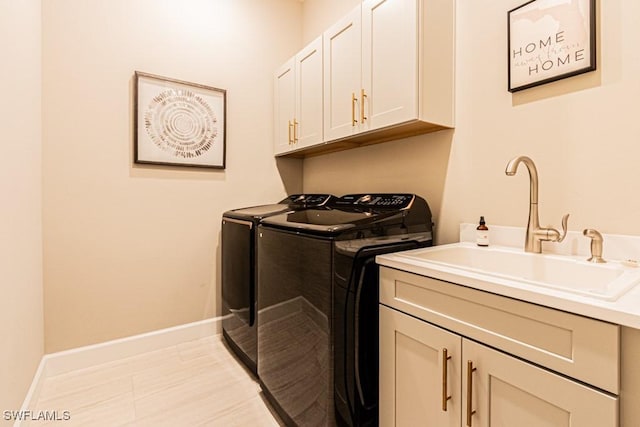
(482, 233)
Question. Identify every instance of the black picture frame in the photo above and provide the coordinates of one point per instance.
(178, 123)
(538, 54)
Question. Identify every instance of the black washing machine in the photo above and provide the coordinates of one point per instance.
(239, 270)
(318, 304)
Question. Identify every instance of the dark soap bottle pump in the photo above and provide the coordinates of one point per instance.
(482, 233)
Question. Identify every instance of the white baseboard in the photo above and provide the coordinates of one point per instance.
(34, 389)
(84, 357)
(110, 351)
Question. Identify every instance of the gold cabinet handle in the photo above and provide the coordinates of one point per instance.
(295, 131)
(290, 139)
(363, 95)
(445, 393)
(353, 109)
(470, 411)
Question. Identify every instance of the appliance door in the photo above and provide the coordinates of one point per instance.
(355, 330)
(238, 288)
(294, 337)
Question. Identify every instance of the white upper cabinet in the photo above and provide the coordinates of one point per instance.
(298, 100)
(308, 117)
(342, 73)
(389, 92)
(284, 108)
(387, 73)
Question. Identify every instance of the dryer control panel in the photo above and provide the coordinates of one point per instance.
(308, 200)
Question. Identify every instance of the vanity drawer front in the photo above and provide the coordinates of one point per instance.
(580, 347)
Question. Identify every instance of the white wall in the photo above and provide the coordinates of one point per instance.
(130, 249)
(582, 133)
(318, 15)
(127, 248)
(21, 324)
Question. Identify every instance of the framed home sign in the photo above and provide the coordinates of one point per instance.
(550, 40)
(178, 123)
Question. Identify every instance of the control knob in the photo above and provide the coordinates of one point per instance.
(364, 199)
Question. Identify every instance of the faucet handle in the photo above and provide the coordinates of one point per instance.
(565, 221)
(553, 235)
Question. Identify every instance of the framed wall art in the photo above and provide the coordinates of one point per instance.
(178, 123)
(550, 40)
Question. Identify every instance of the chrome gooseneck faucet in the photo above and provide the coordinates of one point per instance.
(535, 234)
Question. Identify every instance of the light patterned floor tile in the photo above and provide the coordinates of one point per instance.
(85, 398)
(79, 380)
(153, 359)
(253, 412)
(112, 412)
(208, 347)
(198, 383)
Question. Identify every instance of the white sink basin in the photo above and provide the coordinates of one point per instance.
(603, 281)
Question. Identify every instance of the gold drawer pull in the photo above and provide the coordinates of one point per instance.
(470, 411)
(353, 109)
(445, 393)
(363, 95)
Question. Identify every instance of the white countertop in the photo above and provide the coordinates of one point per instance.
(623, 311)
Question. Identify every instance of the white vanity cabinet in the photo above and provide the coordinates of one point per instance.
(420, 376)
(455, 356)
(298, 100)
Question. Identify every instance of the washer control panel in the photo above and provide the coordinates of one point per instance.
(376, 200)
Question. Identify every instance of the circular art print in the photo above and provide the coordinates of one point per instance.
(179, 123)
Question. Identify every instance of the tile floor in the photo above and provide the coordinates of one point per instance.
(198, 383)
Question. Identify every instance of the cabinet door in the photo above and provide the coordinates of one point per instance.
(389, 61)
(342, 83)
(413, 370)
(506, 391)
(284, 107)
(308, 116)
